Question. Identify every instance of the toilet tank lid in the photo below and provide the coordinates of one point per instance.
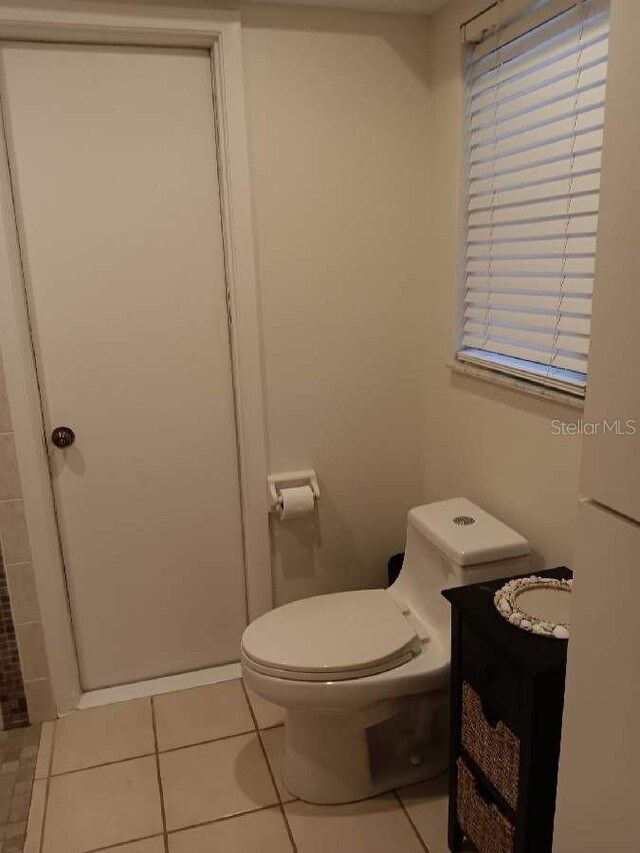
(466, 533)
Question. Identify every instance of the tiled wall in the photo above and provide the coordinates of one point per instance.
(19, 610)
(13, 701)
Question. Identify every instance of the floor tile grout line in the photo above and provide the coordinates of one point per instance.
(159, 751)
(271, 774)
(294, 846)
(180, 829)
(203, 742)
(421, 840)
(47, 787)
(221, 819)
(104, 764)
(165, 837)
(280, 802)
(122, 844)
(249, 705)
(269, 728)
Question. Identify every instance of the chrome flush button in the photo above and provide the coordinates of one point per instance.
(464, 520)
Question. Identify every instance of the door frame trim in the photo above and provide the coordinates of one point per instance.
(219, 32)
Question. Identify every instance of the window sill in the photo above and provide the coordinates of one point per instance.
(520, 385)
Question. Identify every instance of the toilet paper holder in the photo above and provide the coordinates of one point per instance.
(277, 482)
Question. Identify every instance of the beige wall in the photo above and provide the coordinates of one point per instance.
(491, 444)
(338, 117)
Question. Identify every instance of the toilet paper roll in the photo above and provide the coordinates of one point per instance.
(296, 501)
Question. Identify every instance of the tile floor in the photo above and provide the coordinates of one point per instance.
(199, 771)
(18, 751)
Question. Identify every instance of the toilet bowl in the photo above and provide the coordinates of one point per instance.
(363, 676)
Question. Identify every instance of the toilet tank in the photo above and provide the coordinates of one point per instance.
(454, 543)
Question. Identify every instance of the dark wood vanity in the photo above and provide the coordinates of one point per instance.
(507, 694)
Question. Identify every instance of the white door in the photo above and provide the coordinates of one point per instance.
(114, 178)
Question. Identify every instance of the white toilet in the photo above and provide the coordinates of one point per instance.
(363, 676)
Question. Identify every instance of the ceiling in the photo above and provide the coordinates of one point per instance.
(419, 7)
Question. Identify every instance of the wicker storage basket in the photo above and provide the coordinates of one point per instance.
(496, 750)
(484, 824)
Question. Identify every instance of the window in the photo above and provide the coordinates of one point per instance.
(535, 93)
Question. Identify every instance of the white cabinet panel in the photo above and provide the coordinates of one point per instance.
(597, 786)
(611, 462)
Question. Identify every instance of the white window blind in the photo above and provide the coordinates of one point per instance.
(535, 115)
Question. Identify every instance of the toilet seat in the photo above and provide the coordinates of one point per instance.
(331, 637)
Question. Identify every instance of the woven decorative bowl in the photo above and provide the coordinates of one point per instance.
(509, 602)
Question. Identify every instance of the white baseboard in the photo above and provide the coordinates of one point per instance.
(155, 686)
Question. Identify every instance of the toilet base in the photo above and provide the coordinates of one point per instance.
(335, 758)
